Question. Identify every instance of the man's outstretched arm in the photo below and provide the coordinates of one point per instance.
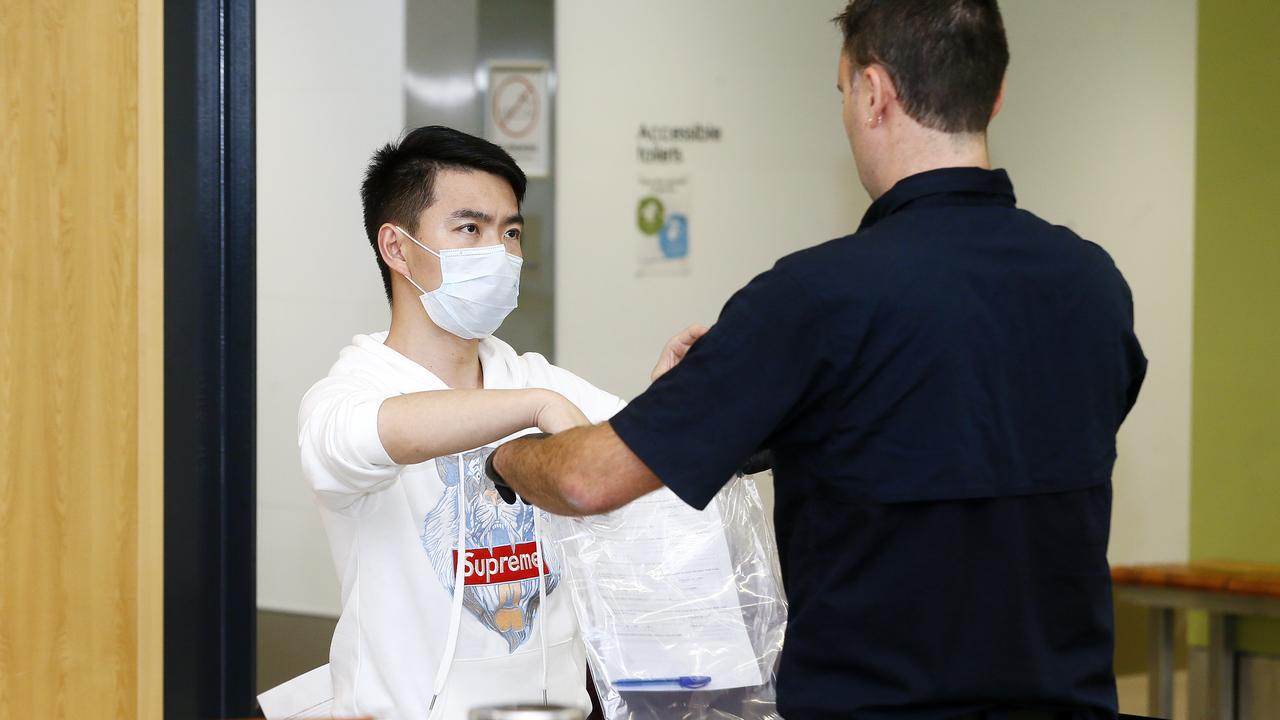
(583, 471)
(587, 470)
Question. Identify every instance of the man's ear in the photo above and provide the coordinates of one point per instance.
(880, 93)
(391, 248)
(995, 109)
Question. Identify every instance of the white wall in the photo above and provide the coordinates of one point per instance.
(329, 92)
(1097, 133)
(781, 179)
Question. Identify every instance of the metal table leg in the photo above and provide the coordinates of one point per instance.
(1222, 666)
(1160, 663)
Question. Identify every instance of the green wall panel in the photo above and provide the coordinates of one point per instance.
(1235, 466)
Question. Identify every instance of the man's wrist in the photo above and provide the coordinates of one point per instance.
(495, 475)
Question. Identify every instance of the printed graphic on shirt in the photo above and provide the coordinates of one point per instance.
(501, 564)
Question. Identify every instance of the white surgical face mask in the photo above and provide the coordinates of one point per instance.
(478, 289)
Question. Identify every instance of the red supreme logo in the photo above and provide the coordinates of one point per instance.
(502, 564)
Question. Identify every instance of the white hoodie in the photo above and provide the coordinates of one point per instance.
(393, 531)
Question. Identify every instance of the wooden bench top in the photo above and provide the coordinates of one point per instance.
(1209, 575)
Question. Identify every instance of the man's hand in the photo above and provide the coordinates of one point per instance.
(676, 348)
(557, 413)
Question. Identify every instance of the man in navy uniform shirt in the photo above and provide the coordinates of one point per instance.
(940, 391)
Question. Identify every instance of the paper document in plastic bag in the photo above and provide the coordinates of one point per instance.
(682, 611)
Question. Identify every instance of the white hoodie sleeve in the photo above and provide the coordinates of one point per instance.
(342, 454)
(595, 403)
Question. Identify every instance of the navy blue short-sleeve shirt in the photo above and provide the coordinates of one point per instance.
(941, 392)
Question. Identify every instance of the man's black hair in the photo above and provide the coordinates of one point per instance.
(947, 58)
(400, 181)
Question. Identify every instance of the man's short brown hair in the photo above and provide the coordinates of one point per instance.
(946, 57)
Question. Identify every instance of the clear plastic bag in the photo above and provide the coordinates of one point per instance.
(682, 611)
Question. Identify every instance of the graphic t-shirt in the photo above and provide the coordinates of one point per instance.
(395, 532)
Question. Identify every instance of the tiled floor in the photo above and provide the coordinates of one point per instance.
(1133, 694)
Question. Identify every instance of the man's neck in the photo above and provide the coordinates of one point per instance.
(921, 150)
(452, 359)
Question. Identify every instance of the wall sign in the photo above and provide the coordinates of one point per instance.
(517, 114)
(666, 158)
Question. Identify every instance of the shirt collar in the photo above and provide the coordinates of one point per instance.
(971, 181)
(408, 376)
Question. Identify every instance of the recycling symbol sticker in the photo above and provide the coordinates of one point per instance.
(673, 238)
(650, 215)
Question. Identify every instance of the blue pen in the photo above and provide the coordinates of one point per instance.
(688, 682)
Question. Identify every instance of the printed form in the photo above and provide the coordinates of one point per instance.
(658, 587)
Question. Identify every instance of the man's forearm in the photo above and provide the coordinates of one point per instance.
(583, 471)
(539, 470)
(420, 426)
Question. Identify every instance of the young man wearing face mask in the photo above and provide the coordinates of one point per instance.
(394, 442)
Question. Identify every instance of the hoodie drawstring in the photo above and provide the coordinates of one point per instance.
(459, 581)
(542, 596)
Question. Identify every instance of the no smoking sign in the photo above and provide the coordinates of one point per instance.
(516, 114)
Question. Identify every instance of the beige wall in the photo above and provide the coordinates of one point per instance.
(781, 178)
(1097, 133)
(80, 359)
(329, 92)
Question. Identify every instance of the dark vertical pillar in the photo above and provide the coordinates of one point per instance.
(209, 359)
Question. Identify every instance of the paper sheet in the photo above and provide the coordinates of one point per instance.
(663, 597)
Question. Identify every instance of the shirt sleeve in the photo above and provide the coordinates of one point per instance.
(595, 403)
(342, 454)
(733, 391)
(1136, 358)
